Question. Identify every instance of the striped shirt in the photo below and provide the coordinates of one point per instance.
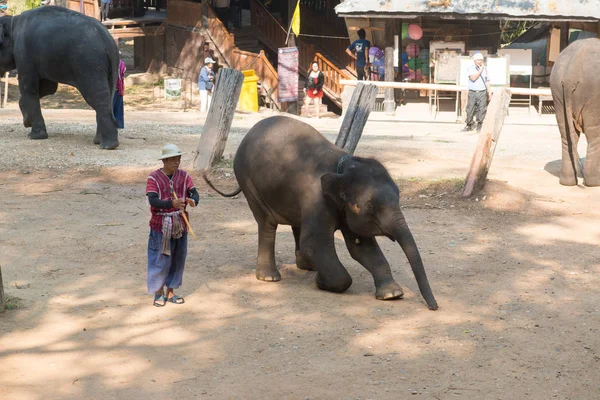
(158, 182)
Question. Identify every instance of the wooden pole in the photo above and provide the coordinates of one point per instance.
(389, 103)
(564, 35)
(488, 138)
(2, 299)
(356, 117)
(220, 116)
(187, 222)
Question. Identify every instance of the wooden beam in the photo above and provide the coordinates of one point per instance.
(389, 103)
(211, 146)
(488, 138)
(448, 88)
(564, 35)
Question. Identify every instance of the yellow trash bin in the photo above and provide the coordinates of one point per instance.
(248, 100)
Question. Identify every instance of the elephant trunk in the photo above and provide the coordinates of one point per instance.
(404, 237)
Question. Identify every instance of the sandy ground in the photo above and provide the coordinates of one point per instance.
(515, 271)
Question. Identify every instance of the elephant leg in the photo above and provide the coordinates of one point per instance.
(366, 251)
(592, 159)
(29, 103)
(301, 262)
(97, 94)
(266, 269)
(571, 164)
(318, 248)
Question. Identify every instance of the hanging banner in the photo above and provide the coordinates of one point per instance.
(287, 73)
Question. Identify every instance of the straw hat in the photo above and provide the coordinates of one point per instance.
(170, 150)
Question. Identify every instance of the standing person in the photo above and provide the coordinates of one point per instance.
(167, 243)
(314, 86)
(118, 108)
(206, 83)
(478, 93)
(104, 10)
(360, 48)
(222, 10)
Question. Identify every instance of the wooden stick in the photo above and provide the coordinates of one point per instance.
(185, 219)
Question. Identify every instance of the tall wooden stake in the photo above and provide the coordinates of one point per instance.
(356, 116)
(220, 116)
(488, 138)
(389, 103)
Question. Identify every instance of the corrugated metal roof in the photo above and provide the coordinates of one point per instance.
(542, 9)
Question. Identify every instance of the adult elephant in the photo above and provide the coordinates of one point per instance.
(575, 85)
(291, 175)
(51, 45)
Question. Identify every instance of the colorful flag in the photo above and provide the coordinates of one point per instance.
(296, 20)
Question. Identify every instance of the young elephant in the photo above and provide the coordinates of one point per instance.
(291, 175)
(52, 45)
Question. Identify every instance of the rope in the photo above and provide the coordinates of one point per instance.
(344, 158)
(324, 37)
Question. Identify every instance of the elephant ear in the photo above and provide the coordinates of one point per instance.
(331, 185)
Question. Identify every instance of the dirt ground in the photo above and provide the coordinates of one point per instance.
(515, 271)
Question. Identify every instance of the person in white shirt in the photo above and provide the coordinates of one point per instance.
(478, 93)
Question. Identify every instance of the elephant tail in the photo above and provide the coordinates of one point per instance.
(209, 183)
(569, 128)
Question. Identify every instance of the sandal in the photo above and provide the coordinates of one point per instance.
(159, 300)
(176, 299)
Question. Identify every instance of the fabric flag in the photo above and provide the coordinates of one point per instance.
(296, 20)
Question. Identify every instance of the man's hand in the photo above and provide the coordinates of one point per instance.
(178, 204)
(191, 202)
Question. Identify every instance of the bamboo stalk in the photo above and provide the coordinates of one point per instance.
(185, 219)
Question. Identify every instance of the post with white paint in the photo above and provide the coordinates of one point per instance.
(355, 117)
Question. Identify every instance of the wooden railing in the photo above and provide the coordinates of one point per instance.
(186, 14)
(264, 23)
(90, 7)
(332, 75)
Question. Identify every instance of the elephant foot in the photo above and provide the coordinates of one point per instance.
(591, 182)
(567, 180)
(26, 123)
(268, 274)
(109, 144)
(97, 139)
(302, 263)
(389, 291)
(38, 135)
(339, 285)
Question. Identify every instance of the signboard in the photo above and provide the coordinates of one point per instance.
(521, 61)
(446, 66)
(287, 73)
(172, 88)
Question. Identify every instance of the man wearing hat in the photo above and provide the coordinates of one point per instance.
(478, 93)
(206, 83)
(169, 190)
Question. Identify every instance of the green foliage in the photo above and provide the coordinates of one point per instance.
(513, 29)
(16, 7)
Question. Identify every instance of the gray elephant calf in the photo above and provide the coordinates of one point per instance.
(575, 84)
(291, 175)
(51, 45)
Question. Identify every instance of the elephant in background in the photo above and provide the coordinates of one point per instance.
(575, 85)
(51, 45)
(291, 175)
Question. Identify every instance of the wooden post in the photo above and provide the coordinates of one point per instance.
(2, 299)
(488, 138)
(220, 116)
(356, 117)
(389, 103)
(564, 35)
